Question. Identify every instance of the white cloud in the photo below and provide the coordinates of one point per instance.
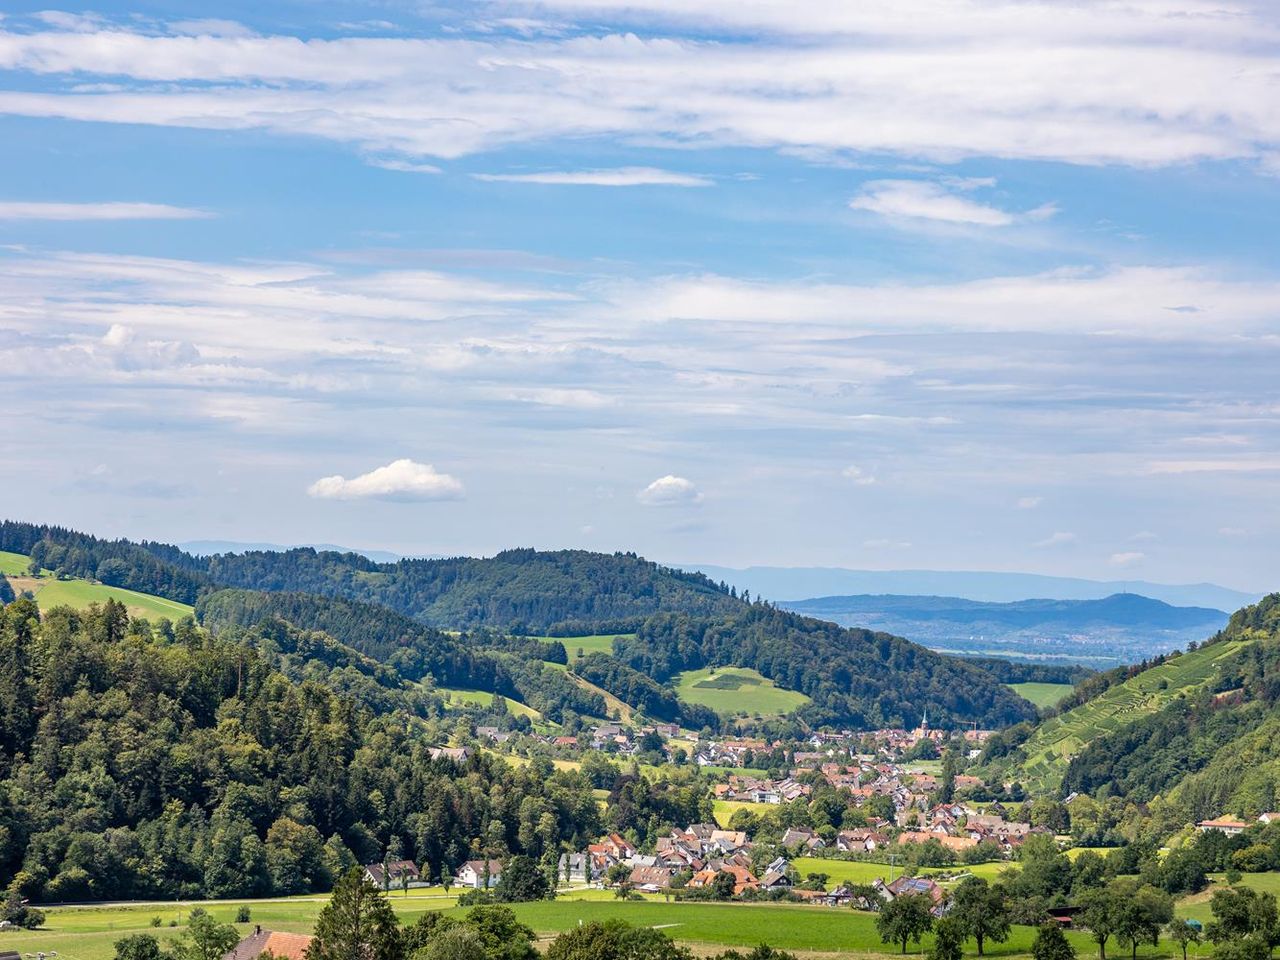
(1233, 531)
(1029, 503)
(858, 476)
(1127, 559)
(621, 177)
(1128, 300)
(401, 480)
(1142, 84)
(23, 210)
(403, 166)
(669, 491)
(886, 544)
(1059, 539)
(920, 200)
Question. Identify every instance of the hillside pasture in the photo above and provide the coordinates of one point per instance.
(51, 592)
(595, 643)
(736, 691)
(13, 564)
(484, 698)
(1042, 694)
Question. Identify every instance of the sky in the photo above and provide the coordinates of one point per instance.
(931, 284)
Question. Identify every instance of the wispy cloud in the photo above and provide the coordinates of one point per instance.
(1160, 83)
(114, 210)
(400, 480)
(921, 200)
(1059, 539)
(620, 177)
(1129, 558)
(858, 476)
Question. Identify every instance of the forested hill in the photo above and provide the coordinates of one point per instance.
(386, 611)
(855, 678)
(159, 763)
(563, 592)
(411, 649)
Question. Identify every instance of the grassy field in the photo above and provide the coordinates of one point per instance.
(13, 564)
(724, 809)
(79, 933)
(861, 871)
(596, 643)
(733, 691)
(1042, 694)
(617, 709)
(484, 698)
(1056, 741)
(50, 592)
(1196, 906)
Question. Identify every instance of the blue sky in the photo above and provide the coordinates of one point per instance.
(955, 284)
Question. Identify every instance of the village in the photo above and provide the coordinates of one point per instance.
(909, 812)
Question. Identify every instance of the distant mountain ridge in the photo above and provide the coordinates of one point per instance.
(802, 583)
(1130, 609)
(1124, 627)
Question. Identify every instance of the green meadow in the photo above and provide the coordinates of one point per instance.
(13, 564)
(1042, 694)
(595, 643)
(51, 592)
(725, 809)
(483, 698)
(734, 691)
(88, 933)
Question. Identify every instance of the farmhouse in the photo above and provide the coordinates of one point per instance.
(651, 879)
(1228, 825)
(472, 874)
(913, 885)
(393, 874)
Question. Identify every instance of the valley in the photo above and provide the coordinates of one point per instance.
(832, 761)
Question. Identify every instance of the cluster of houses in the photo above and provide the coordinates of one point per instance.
(401, 874)
(698, 852)
(755, 790)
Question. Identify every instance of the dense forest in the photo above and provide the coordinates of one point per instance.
(1203, 754)
(1023, 671)
(164, 762)
(563, 593)
(855, 678)
(560, 593)
(477, 660)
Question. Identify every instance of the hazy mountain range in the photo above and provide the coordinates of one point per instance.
(1121, 628)
(802, 583)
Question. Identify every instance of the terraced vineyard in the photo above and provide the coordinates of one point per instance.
(1057, 740)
